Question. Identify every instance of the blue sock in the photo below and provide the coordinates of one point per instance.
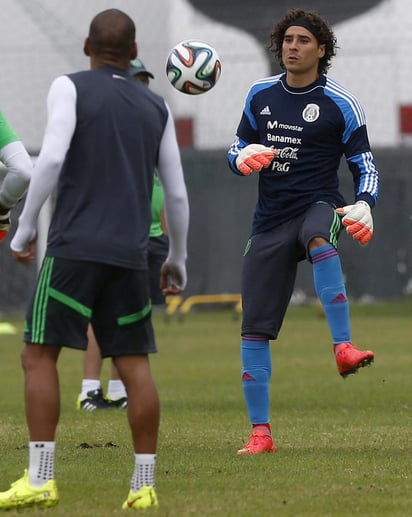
(256, 373)
(329, 286)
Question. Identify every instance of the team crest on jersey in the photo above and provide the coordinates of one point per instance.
(311, 113)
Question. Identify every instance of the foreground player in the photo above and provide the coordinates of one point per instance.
(105, 135)
(19, 166)
(293, 131)
(91, 396)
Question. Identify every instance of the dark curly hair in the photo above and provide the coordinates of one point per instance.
(318, 26)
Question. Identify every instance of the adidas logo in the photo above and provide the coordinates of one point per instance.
(247, 377)
(340, 298)
(266, 111)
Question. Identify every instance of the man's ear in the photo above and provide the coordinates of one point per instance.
(133, 52)
(86, 47)
(322, 50)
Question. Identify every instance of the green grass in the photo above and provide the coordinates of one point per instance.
(344, 445)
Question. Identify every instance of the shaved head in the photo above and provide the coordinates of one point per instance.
(112, 33)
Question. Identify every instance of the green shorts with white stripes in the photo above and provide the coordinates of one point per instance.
(70, 294)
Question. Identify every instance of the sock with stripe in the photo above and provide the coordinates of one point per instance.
(330, 288)
(256, 373)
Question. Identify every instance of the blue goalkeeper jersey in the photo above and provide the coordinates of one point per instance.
(312, 127)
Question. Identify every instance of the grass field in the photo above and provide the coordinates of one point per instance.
(344, 445)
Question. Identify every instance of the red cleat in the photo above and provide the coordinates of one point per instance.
(349, 359)
(259, 441)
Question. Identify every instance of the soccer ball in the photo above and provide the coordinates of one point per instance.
(193, 67)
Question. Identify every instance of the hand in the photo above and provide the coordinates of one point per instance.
(358, 221)
(26, 257)
(254, 157)
(172, 279)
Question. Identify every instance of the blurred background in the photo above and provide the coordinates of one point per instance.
(41, 39)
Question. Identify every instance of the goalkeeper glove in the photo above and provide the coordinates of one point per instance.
(254, 157)
(358, 221)
(4, 225)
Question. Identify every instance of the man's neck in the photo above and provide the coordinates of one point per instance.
(301, 80)
(95, 62)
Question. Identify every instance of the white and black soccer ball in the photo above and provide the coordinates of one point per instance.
(193, 67)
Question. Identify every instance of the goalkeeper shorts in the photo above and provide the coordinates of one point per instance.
(270, 265)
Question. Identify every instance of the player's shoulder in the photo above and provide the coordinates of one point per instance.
(62, 85)
(101, 74)
(154, 95)
(346, 101)
(147, 95)
(7, 133)
(263, 84)
(336, 89)
(79, 73)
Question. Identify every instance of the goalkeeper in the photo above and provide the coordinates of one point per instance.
(294, 129)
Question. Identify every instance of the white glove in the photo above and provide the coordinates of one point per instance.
(254, 157)
(358, 221)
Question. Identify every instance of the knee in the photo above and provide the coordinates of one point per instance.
(317, 242)
(25, 359)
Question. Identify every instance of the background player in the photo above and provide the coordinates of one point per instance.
(19, 166)
(91, 396)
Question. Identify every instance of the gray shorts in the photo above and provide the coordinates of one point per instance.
(270, 265)
(70, 294)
